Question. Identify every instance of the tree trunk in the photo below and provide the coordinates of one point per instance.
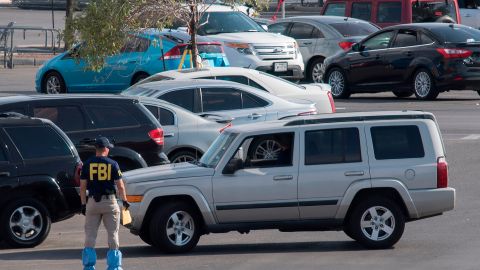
(193, 32)
(68, 24)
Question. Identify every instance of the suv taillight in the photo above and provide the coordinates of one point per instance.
(454, 53)
(78, 172)
(157, 136)
(442, 173)
(332, 103)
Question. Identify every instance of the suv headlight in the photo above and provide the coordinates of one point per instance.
(241, 47)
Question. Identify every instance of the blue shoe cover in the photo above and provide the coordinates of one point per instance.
(89, 258)
(114, 259)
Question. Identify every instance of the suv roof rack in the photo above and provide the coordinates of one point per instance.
(310, 121)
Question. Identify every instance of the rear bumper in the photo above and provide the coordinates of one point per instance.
(294, 72)
(429, 202)
(464, 79)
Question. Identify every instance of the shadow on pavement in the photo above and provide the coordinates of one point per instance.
(147, 251)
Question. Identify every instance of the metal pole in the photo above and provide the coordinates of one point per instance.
(53, 15)
(283, 9)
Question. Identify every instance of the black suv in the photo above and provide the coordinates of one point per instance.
(39, 177)
(137, 135)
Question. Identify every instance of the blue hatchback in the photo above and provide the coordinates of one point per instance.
(141, 57)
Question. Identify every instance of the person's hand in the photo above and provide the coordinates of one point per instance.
(126, 205)
(84, 209)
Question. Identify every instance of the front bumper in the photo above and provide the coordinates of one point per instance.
(294, 72)
(429, 202)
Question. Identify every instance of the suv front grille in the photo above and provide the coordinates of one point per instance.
(275, 52)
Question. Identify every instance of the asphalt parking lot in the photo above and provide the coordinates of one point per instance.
(445, 242)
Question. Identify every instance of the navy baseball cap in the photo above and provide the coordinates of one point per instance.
(102, 142)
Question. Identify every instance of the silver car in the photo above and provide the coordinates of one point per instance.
(244, 104)
(187, 135)
(322, 36)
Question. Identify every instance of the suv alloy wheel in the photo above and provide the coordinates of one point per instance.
(175, 228)
(377, 223)
(25, 223)
(338, 81)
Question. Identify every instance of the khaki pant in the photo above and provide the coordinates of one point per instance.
(107, 210)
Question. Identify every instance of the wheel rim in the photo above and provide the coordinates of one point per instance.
(180, 228)
(26, 223)
(337, 82)
(423, 84)
(317, 73)
(377, 223)
(53, 85)
(267, 150)
(184, 158)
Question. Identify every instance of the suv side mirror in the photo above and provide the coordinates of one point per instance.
(232, 166)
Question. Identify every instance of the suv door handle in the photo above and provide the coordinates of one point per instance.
(4, 174)
(282, 177)
(168, 135)
(355, 173)
(254, 116)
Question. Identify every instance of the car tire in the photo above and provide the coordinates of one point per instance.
(185, 156)
(175, 228)
(316, 75)
(338, 81)
(377, 223)
(138, 77)
(25, 223)
(424, 85)
(53, 83)
(347, 231)
(478, 92)
(145, 236)
(402, 94)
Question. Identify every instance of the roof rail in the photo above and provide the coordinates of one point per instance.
(301, 122)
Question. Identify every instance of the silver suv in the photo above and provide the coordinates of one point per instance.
(365, 173)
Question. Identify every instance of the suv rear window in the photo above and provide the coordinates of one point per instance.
(38, 142)
(433, 11)
(397, 142)
(332, 146)
(110, 117)
(68, 118)
(351, 29)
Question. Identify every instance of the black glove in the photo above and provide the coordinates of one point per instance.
(84, 209)
(126, 205)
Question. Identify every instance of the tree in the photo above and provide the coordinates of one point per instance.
(104, 25)
(68, 23)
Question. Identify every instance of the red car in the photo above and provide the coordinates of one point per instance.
(392, 12)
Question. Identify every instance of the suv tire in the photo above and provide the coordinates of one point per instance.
(31, 213)
(424, 85)
(338, 81)
(175, 228)
(377, 223)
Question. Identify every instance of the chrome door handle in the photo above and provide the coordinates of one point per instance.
(254, 116)
(283, 177)
(168, 135)
(355, 173)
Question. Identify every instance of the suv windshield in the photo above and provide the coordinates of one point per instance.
(438, 11)
(350, 29)
(215, 152)
(213, 23)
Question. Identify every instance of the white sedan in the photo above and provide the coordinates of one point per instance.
(318, 93)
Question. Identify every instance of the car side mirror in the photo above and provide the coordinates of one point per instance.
(232, 166)
(356, 47)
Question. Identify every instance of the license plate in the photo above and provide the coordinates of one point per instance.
(280, 67)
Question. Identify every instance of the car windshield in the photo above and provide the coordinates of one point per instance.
(218, 148)
(351, 28)
(283, 80)
(438, 11)
(213, 23)
(457, 34)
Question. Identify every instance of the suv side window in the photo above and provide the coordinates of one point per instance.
(279, 28)
(389, 12)
(380, 41)
(335, 9)
(331, 146)
(68, 118)
(110, 117)
(397, 142)
(362, 11)
(27, 139)
(164, 117)
(301, 31)
(221, 99)
(406, 38)
(184, 98)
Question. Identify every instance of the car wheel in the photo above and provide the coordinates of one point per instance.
(337, 80)
(265, 149)
(316, 71)
(402, 94)
(347, 231)
(185, 156)
(424, 86)
(145, 236)
(175, 228)
(377, 222)
(26, 223)
(139, 77)
(53, 83)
